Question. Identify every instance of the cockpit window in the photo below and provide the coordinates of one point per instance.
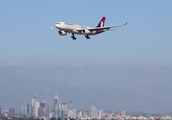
(58, 23)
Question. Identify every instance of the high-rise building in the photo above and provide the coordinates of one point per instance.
(69, 105)
(22, 111)
(80, 114)
(36, 106)
(93, 111)
(123, 113)
(61, 114)
(12, 112)
(33, 106)
(64, 108)
(33, 101)
(56, 105)
(45, 106)
(0, 111)
(51, 114)
(27, 110)
(97, 113)
(72, 113)
(85, 115)
(40, 112)
(60, 106)
(100, 114)
(5, 113)
(89, 113)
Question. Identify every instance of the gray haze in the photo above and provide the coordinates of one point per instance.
(145, 88)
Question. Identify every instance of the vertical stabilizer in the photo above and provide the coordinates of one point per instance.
(102, 22)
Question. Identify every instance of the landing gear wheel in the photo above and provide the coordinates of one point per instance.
(87, 37)
(73, 37)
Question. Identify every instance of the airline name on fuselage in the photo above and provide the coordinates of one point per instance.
(83, 27)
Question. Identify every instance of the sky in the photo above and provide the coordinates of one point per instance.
(132, 55)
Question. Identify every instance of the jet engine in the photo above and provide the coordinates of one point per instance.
(62, 33)
(86, 31)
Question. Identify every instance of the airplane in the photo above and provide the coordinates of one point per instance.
(66, 27)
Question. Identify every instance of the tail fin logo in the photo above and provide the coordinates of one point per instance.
(102, 22)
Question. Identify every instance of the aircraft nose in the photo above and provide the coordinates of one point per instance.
(56, 25)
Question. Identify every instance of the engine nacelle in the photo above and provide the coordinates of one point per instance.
(62, 33)
(86, 31)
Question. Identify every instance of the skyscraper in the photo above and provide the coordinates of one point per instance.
(61, 114)
(69, 105)
(0, 111)
(5, 113)
(33, 106)
(40, 112)
(85, 115)
(64, 107)
(36, 106)
(80, 114)
(12, 112)
(56, 105)
(33, 100)
(93, 111)
(27, 110)
(22, 111)
(100, 114)
(123, 114)
(72, 113)
(45, 106)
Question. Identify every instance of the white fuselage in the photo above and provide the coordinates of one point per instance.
(65, 27)
(74, 28)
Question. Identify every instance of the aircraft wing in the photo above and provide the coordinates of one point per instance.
(106, 27)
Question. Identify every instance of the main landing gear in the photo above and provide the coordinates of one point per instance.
(87, 37)
(73, 37)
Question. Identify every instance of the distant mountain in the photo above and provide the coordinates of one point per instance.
(146, 97)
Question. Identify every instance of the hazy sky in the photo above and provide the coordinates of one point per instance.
(138, 53)
(26, 36)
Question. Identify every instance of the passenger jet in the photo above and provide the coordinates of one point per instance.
(65, 27)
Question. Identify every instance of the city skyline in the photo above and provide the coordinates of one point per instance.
(37, 109)
(41, 109)
(67, 105)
